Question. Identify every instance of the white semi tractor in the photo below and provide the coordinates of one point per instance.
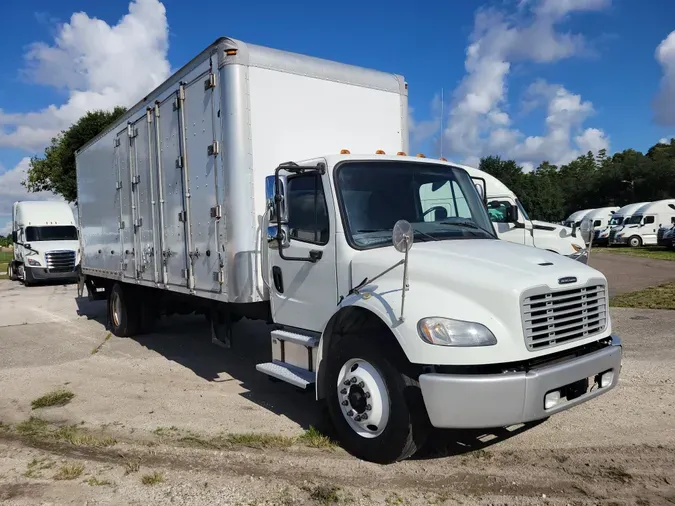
(605, 236)
(512, 222)
(643, 227)
(46, 246)
(230, 191)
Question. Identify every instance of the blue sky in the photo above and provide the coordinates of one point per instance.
(528, 79)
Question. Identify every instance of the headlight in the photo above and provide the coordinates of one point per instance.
(33, 262)
(447, 332)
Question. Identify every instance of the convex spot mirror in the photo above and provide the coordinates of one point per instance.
(402, 236)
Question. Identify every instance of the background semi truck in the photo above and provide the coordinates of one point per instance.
(513, 224)
(46, 245)
(616, 223)
(231, 191)
(642, 228)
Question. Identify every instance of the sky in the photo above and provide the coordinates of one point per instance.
(530, 80)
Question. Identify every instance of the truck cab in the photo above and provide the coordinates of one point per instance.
(512, 222)
(598, 221)
(618, 220)
(46, 245)
(642, 228)
(386, 275)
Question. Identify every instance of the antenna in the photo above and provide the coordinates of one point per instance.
(441, 122)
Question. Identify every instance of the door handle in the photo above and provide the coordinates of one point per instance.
(278, 279)
(315, 255)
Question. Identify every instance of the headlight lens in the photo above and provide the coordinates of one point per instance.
(447, 332)
(32, 262)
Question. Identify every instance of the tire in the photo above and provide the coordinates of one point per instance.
(11, 272)
(380, 390)
(124, 312)
(635, 241)
(28, 279)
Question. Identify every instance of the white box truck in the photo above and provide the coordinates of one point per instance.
(512, 222)
(46, 246)
(642, 228)
(230, 191)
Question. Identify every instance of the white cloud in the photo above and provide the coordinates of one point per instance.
(11, 189)
(479, 122)
(100, 66)
(664, 103)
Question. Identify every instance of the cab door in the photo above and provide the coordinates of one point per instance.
(303, 283)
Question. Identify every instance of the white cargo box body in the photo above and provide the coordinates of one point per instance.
(173, 194)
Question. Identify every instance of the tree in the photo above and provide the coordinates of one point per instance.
(55, 171)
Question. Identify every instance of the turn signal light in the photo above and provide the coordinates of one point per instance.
(230, 52)
(443, 159)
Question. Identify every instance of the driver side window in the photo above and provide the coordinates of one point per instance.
(648, 220)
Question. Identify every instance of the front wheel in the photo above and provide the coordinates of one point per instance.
(635, 241)
(377, 410)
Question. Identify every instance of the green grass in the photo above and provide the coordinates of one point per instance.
(69, 471)
(3, 270)
(39, 429)
(314, 439)
(152, 479)
(654, 297)
(653, 252)
(5, 257)
(55, 398)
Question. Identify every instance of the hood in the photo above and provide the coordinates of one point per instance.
(543, 228)
(477, 265)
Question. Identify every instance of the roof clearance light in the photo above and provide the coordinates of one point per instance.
(230, 52)
(420, 155)
(344, 152)
(380, 152)
(401, 153)
(443, 159)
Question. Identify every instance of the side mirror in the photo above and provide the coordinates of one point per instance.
(14, 236)
(574, 229)
(512, 214)
(271, 198)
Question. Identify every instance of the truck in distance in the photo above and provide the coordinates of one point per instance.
(46, 245)
(263, 184)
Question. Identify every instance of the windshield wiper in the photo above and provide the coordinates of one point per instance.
(467, 224)
(368, 230)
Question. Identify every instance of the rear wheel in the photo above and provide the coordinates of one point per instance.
(124, 312)
(377, 410)
(635, 241)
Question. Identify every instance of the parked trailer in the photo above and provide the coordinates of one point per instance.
(198, 200)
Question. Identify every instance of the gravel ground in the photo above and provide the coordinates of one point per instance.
(163, 397)
(628, 274)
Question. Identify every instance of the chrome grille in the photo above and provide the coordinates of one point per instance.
(60, 261)
(557, 317)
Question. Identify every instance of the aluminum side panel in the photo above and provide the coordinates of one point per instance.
(126, 203)
(202, 170)
(174, 250)
(98, 205)
(143, 224)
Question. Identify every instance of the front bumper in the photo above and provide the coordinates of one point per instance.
(500, 400)
(42, 273)
(580, 256)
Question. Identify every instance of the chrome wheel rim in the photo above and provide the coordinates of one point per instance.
(363, 398)
(116, 309)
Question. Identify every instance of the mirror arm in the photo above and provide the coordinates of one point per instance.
(295, 169)
(29, 249)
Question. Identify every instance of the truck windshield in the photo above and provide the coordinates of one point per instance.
(51, 233)
(616, 220)
(634, 220)
(439, 201)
